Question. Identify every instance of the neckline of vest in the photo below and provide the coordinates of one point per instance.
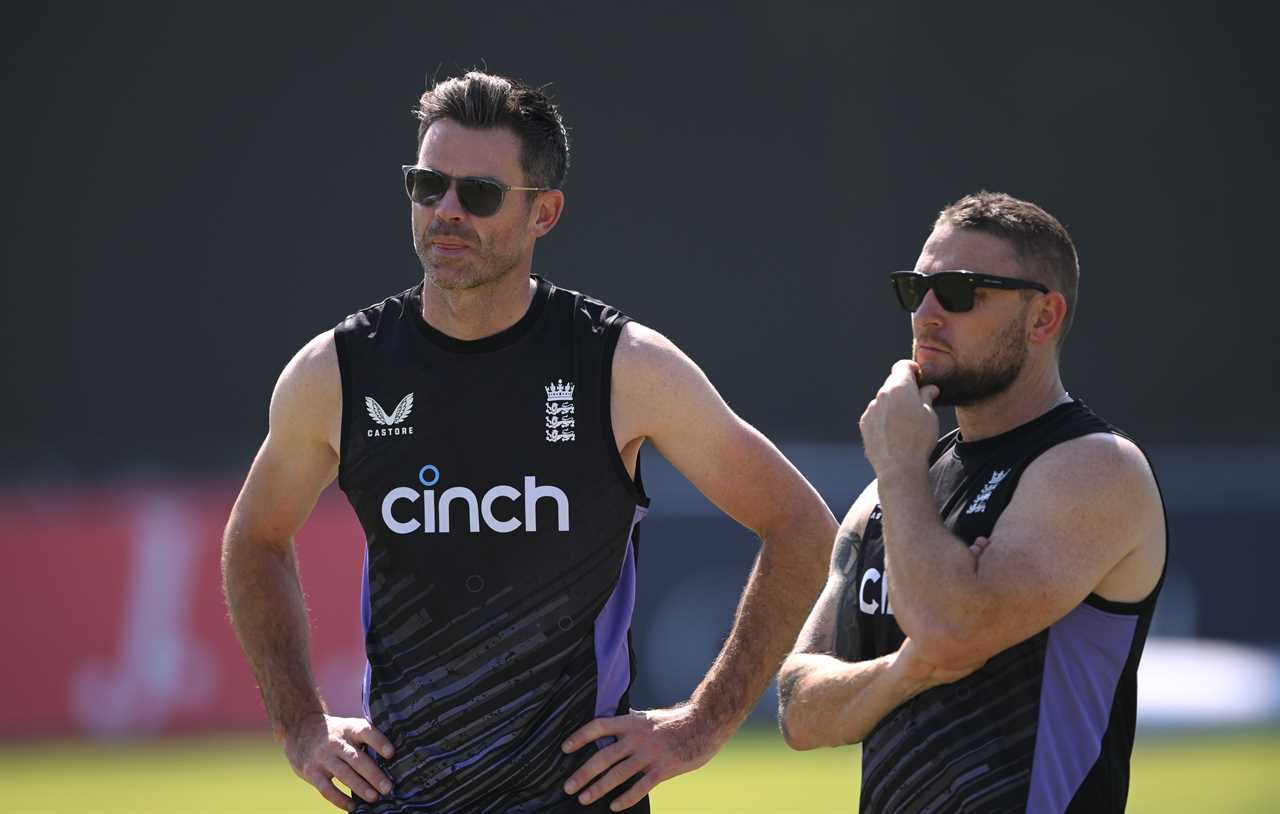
(983, 446)
(502, 339)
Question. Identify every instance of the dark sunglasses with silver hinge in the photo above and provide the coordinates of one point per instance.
(481, 197)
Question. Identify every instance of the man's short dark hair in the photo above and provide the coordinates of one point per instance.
(1041, 243)
(483, 101)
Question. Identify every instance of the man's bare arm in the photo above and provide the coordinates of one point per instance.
(822, 699)
(826, 701)
(660, 395)
(1086, 517)
(260, 578)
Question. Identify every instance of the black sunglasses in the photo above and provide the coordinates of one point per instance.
(954, 289)
(480, 196)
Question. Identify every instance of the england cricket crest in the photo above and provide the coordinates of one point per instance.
(560, 420)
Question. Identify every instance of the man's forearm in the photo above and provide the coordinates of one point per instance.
(269, 615)
(823, 701)
(781, 589)
(931, 572)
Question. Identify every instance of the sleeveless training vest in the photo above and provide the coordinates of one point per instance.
(502, 533)
(1044, 726)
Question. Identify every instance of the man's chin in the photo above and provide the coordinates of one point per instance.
(944, 400)
(930, 373)
(968, 390)
(952, 389)
(451, 277)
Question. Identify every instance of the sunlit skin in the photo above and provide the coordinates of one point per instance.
(1086, 517)
(476, 284)
(477, 269)
(943, 341)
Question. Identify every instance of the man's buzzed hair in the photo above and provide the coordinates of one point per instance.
(483, 101)
(1041, 243)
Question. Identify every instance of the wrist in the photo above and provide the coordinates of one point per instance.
(905, 677)
(904, 493)
(898, 472)
(285, 728)
(710, 725)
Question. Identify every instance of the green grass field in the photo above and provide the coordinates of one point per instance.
(755, 773)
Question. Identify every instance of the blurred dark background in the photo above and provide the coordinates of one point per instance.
(193, 192)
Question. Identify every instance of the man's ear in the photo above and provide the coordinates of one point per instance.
(1046, 318)
(546, 211)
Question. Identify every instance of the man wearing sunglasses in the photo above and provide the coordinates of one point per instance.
(486, 426)
(989, 592)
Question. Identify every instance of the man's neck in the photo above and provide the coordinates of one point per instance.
(475, 313)
(1036, 392)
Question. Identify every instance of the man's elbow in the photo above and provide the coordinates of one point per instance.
(796, 738)
(247, 558)
(797, 732)
(801, 541)
(806, 732)
(801, 728)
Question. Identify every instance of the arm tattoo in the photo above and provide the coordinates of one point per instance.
(843, 563)
(845, 558)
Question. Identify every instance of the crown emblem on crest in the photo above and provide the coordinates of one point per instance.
(559, 391)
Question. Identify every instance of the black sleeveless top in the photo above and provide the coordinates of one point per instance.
(1044, 726)
(502, 534)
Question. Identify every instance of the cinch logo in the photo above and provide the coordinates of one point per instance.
(436, 508)
(873, 605)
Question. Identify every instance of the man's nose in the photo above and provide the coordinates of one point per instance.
(930, 311)
(449, 207)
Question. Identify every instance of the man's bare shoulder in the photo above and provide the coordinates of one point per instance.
(1097, 497)
(655, 385)
(308, 395)
(646, 357)
(1098, 464)
(855, 520)
(314, 367)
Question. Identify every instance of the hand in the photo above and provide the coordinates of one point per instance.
(657, 744)
(899, 425)
(920, 674)
(323, 748)
(976, 548)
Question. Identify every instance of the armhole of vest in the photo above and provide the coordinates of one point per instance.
(344, 377)
(1122, 608)
(1147, 602)
(1164, 509)
(614, 324)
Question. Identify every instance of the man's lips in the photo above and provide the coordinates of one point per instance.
(449, 246)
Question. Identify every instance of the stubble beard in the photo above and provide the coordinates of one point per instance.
(467, 275)
(480, 266)
(963, 386)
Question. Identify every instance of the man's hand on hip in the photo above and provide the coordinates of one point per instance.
(656, 744)
(322, 748)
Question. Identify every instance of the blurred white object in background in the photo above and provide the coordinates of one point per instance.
(1207, 683)
(161, 668)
